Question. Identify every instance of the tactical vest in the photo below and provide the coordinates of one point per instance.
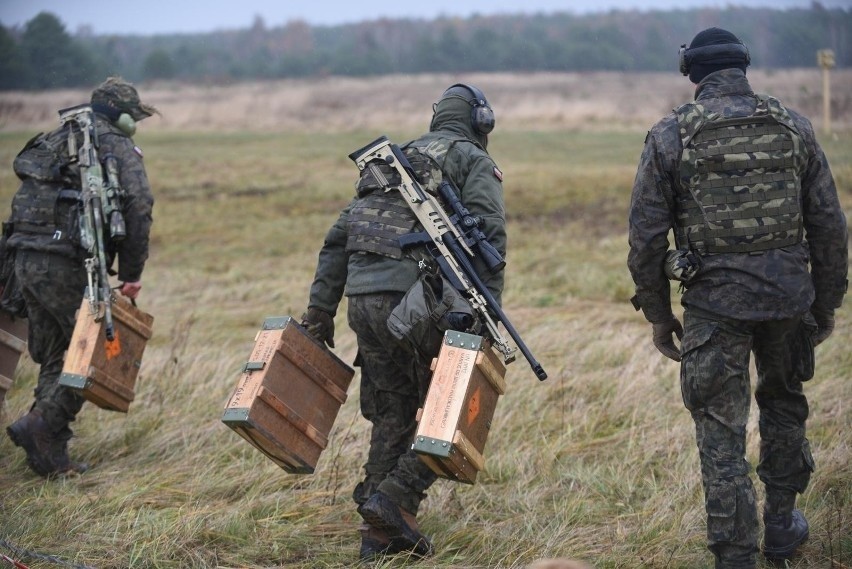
(46, 207)
(741, 180)
(380, 217)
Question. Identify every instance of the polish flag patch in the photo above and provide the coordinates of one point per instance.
(138, 151)
(498, 174)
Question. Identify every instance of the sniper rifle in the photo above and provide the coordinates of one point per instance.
(453, 241)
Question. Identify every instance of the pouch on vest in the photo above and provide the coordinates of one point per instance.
(681, 265)
(46, 217)
(429, 308)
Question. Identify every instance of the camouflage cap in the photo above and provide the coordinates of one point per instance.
(119, 94)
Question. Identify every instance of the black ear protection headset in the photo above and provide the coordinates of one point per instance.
(720, 54)
(481, 115)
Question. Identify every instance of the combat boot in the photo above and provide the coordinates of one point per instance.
(31, 433)
(399, 525)
(783, 533)
(375, 542)
(46, 455)
(62, 464)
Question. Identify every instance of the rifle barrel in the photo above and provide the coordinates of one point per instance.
(453, 246)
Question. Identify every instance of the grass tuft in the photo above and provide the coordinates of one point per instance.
(596, 463)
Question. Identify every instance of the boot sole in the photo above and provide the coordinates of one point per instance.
(373, 550)
(786, 552)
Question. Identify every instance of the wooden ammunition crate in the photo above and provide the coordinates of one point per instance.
(468, 377)
(288, 395)
(105, 371)
(13, 342)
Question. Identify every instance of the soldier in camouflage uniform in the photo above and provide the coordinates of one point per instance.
(362, 259)
(761, 252)
(49, 260)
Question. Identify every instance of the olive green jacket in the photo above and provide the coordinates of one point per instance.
(468, 165)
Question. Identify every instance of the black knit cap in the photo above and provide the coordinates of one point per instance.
(712, 50)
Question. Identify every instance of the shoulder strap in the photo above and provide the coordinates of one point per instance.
(778, 111)
(437, 148)
(691, 117)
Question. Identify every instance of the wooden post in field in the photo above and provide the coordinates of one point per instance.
(825, 59)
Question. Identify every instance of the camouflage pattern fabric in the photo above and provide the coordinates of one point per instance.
(737, 304)
(716, 390)
(481, 191)
(48, 260)
(53, 287)
(30, 205)
(743, 176)
(772, 284)
(119, 94)
(377, 221)
(46, 217)
(378, 217)
(45, 158)
(394, 381)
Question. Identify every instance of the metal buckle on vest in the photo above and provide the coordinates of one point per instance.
(57, 234)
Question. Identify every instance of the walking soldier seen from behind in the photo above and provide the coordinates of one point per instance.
(761, 255)
(50, 249)
(363, 258)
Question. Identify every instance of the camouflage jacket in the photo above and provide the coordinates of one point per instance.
(478, 180)
(768, 285)
(137, 205)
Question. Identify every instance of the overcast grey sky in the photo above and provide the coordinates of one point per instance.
(168, 16)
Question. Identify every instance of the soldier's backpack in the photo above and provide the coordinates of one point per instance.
(46, 207)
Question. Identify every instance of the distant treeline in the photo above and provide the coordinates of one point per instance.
(43, 54)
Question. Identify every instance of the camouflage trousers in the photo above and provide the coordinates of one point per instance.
(716, 390)
(394, 382)
(53, 287)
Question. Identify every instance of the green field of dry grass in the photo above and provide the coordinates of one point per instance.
(597, 463)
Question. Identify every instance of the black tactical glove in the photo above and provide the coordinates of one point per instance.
(663, 337)
(825, 324)
(319, 324)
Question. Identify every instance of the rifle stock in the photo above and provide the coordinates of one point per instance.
(451, 246)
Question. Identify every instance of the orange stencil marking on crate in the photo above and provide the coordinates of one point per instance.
(112, 348)
(474, 406)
